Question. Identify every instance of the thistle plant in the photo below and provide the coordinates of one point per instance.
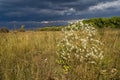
(80, 45)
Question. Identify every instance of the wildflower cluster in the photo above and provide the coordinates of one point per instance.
(79, 45)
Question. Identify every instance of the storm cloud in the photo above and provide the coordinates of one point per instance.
(55, 10)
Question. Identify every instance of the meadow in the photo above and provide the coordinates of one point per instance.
(31, 55)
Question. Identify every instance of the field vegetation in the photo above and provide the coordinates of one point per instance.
(34, 55)
(112, 22)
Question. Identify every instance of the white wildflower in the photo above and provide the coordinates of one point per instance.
(81, 43)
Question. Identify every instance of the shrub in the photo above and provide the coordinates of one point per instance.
(113, 22)
(4, 30)
(80, 47)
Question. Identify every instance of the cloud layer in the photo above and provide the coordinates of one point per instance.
(106, 5)
(51, 10)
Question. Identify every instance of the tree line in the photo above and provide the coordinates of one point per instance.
(112, 22)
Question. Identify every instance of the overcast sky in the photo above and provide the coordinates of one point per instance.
(52, 10)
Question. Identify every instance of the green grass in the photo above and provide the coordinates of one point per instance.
(32, 56)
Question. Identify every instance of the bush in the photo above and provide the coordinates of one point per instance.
(113, 22)
(81, 50)
(4, 30)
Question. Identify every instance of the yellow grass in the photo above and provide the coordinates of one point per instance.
(32, 56)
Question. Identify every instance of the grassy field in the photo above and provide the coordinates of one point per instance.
(32, 56)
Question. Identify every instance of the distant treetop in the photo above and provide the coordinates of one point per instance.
(113, 22)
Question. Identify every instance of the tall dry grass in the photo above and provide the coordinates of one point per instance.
(32, 56)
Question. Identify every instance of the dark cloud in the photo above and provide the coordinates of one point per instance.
(50, 10)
